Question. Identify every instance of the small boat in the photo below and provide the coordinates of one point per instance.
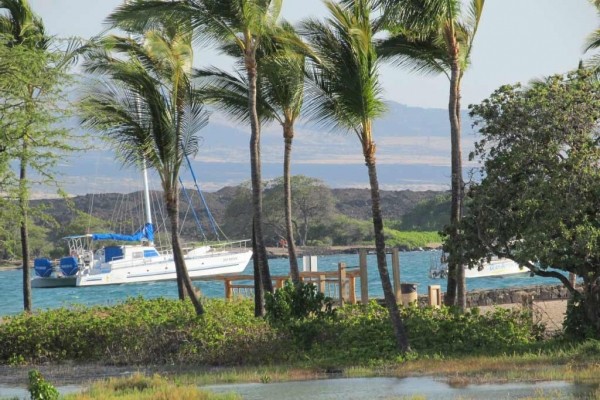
(496, 267)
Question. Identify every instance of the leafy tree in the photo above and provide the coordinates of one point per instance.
(311, 202)
(347, 95)
(147, 106)
(31, 108)
(433, 37)
(539, 196)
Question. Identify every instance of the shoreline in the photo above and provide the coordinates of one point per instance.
(281, 252)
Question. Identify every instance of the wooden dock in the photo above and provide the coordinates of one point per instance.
(341, 285)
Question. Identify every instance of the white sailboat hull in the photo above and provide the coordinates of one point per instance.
(162, 268)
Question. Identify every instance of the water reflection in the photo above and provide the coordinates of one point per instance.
(394, 388)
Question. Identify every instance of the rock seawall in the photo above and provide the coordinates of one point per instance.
(480, 298)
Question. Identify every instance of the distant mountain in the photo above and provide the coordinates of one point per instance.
(413, 152)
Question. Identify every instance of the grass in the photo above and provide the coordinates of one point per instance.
(140, 387)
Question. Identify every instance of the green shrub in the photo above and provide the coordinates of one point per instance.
(300, 326)
(576, 323)
(139, 331)
(297, 302)
(39, 389)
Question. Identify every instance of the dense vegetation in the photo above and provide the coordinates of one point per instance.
(168, 331)
(415, 218)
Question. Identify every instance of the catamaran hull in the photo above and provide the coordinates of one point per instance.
(163, 269)
(53, 282)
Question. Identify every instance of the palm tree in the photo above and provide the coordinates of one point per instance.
(347, 95)
(22, 27)
(242, 23)
(280, 96)
(593, 42)
(431, 37)
(147, 105)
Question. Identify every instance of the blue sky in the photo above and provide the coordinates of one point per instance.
(518, 40)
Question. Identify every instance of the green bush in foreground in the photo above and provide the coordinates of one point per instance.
(39, 389)
(142, 331)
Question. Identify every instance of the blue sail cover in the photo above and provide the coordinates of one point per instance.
(144, 233)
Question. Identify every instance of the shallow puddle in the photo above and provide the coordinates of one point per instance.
(395, 388)
(11, 392)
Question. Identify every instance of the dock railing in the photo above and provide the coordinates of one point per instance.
(340, 285)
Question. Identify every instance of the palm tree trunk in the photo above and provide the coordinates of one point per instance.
(288, 135)
(455, 293)
(259, 292)
(259, 244)
(388, 292)
(184, 283)
(24, 205)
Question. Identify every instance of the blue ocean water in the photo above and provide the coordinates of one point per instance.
(414, 268)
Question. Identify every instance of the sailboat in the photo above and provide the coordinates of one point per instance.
(136, 260)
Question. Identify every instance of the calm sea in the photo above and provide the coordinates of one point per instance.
(414, 268)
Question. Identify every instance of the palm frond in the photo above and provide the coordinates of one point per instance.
(593, 41)
(426, 56)
(344, 90)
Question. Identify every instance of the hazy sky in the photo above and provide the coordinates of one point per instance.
(518, 40)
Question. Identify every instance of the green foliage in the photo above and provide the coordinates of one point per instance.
(312, 202)
(410, 240)
(297, 302)
(537, 201)
(168, 331)
(576, 324)
(343, 231)
(139, 331)
(298, 310)
(427, 215)
(431, 332)
(39, 389)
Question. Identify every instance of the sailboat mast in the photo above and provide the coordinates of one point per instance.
(146, 193)
(147, 208)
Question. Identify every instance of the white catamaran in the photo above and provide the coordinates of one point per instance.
(88, 264)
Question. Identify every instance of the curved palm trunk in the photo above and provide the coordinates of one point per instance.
(23, 205)
(388, 292)
(455, 293)
(288, 135)
(184, 283)
(261, 263)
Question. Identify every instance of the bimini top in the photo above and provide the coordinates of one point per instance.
(144, 233)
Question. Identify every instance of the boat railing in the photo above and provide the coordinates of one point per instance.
(236, 244)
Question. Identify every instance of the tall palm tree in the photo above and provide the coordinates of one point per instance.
(147, 105)
(280, 96)
(22, 27)
(432, 36)
(242, 23)
(348, 96)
